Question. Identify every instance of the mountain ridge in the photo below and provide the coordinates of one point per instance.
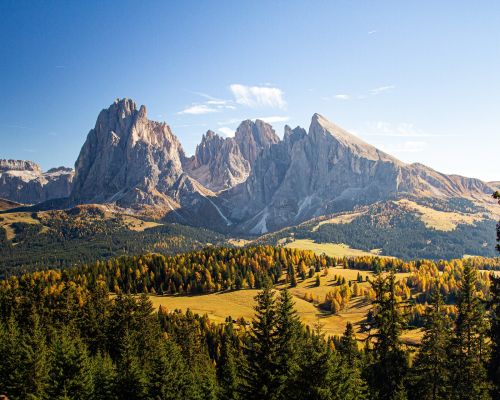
(252, 183)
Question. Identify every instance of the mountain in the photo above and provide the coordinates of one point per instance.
(328, 170)
(249, 184)
(221, 163)
(137, 164)
(24, 182)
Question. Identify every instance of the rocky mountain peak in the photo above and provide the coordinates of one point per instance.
(19, 165)
(253, 137)
(321, 127)
(127, 158)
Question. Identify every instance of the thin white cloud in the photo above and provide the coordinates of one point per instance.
(274, 118)
(342, 97)
(381, 89)
(258, 96)
(198, 109)
(228, 132)
(372, 32)
(401, 129)
(405, 147)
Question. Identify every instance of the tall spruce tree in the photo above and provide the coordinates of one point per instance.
(468, 348)
(104, 377)
(288, 338)
(262, 379)
(227, 371)
(170, 378)
(35, 361)
(311, 381)
(71, 371)
(431, 375)
(132, 381)
(387, 373)
(352, 385)
(494, 364)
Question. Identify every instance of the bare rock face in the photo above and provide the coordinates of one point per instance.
(218, 163)
(253, 137)
(329, 170)
(127, 159)
(221, 163)
(24, 182)
(135, 163)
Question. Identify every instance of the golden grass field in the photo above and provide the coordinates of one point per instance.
(440, 220)
(330, 249)
(237, 304)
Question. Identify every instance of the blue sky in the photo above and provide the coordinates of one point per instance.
(419, 79)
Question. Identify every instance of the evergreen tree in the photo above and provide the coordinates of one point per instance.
(262, 380)
(431, 367)
(70, 372)
(494, 365)
(104, 376)
(35, 365)
(170, 379)
(311, 380)
(11, 378)
(468, 349)
(388, 371)
(288, 338)
(227, 369)
(352, 385)
(131, 381)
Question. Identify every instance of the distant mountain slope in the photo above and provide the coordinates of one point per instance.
(24, 182)
(251, 184)
(400, 228)
(221, 163)
(328, 170)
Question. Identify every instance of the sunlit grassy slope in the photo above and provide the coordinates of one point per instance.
(237, 304)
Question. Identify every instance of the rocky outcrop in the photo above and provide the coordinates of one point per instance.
(252, 183)
(218, 163)
(24, 182)
(221, 163)
(329, 170)
(128, 159)
(134, 163)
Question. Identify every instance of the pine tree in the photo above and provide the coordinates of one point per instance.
(431, 367)
(311, 381)
(70, 372)
(131, 381)
(11, 377)
(170, 378)
(104, 377)
(35, 365)
(494, 364)
(468, 349)
(288, 331)
(352, 385)
(227, 369)
(388, 371)
(262, 380)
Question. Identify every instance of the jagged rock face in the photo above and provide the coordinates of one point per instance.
(221, 163)
(218, 163)
(253, 137)
(128, 159)
(329, 170)
(24, 182)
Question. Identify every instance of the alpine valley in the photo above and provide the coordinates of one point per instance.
(133, 189)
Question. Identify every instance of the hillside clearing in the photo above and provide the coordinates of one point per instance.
(330, 249)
